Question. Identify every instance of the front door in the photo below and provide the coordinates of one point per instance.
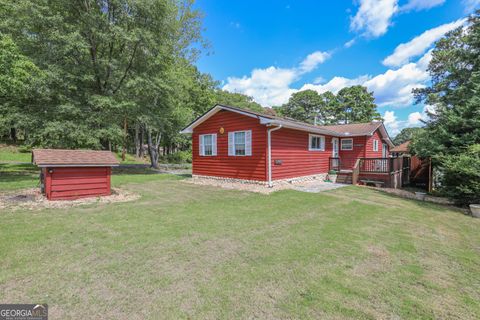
(335, 154)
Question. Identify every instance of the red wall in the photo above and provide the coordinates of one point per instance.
(369, 153)
(358, 150)
(77, 182)
(291, 147)
(239, 167)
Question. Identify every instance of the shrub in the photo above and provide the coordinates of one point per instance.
(178, 157)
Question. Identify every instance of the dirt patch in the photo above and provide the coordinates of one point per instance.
(378, 260)
(32, 199)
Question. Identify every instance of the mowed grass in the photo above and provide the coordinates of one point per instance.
(184, 251)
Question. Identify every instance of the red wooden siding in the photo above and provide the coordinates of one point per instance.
(358, 150)
(222, 165)
(77, 182)
(291, 148)
(369, 153)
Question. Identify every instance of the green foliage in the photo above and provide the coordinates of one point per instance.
(237, 100)
(350, 105)
(178, 157)
(357, 105)
(461, 175)
(452, 133)
(100, 64)
(405, 135)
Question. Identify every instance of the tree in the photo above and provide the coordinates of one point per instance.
(21, 83)
(236, 100)
(302, 106)
(357, 105)
(351, 104)
(110, 66)
(452, 132)
(405, 135)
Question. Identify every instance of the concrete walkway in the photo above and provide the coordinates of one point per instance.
(317, 186)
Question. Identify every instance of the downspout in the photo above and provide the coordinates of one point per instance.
(269, 143)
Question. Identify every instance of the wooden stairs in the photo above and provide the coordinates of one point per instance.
(344, 177)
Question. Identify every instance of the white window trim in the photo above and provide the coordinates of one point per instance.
(201, 143)
(375, 145)
(248, 143)
(345, 149)
(322, 142)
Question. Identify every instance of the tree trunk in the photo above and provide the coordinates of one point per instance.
(13, 135)
(137, 140)
(125, 133)
(153, 149)
(142, 154)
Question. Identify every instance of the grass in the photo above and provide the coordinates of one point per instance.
(12, 154)
(184, 251)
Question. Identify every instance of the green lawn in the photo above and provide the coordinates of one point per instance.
(12, 154)
(184, 251)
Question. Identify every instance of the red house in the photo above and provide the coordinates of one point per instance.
(238, 144)
(74, 174)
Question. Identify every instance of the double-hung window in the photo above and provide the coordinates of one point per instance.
(240, 143)
(316, 143)
(346, 144)
(375, 145)
(208, 144)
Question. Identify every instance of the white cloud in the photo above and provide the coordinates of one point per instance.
(350, 43)
(414, 118)
(391, 123)
(470, 5)
(421, 4)
(312, 61)
(394, 125)
(391, 88)
(271, 86)
(374, 17)
(335, 84)
(418, 45)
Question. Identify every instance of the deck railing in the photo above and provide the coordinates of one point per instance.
(370, 165)
(377, 165)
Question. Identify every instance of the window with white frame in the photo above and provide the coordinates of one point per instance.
(375, 145)
(208, 144)
(240, 143)
(346, 144)
(316, 143)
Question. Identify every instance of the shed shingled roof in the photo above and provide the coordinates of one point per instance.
(402, 147)
(72, 158)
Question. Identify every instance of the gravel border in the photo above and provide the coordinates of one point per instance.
(32, 199)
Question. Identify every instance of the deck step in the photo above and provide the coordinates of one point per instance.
(345, 178)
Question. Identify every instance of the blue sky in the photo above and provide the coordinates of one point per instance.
(271, 49)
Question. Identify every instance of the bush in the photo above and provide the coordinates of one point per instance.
(178, 157)
(461, 176)
(332, 172)
(25, 149)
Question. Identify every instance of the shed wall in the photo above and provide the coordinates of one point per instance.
(77, 182)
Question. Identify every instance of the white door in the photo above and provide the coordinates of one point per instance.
(334, 147)
(335, 162)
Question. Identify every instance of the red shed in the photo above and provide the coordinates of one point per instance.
(73, 174)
